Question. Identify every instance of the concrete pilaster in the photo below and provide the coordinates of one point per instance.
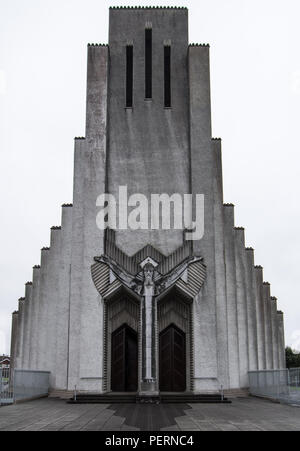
(274, 333)
(91, 320)
(232, 320)
(26, 331)
(34, 325)
(14, 340)
(241, 296)
(43, 313)
(221, 298)
(53, 299)
(19, 357)
(87, 241)
(281, 341)
(251, 310)
(268, 325)
(259, 299)
(76, 262)
(202, 177)
(96, 98)
(63, 307)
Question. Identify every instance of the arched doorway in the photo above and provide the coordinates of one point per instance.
(124, 360)
(172, 360)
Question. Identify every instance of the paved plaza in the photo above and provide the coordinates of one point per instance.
(249, 414)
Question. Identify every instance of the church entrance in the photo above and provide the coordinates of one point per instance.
(124, 360)
(172, 360)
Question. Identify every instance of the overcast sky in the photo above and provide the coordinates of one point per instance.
(255, 79)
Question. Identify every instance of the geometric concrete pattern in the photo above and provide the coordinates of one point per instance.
(248, 414)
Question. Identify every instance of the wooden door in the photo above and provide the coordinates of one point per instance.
(131, 361)
(172, 360)
(124, 360)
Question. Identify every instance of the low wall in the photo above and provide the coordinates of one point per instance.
(278, 385)
(30, 385)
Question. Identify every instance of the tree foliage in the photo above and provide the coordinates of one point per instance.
(292, 358)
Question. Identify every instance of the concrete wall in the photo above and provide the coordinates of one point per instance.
(148, 144)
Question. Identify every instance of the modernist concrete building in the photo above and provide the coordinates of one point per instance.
(147, 311)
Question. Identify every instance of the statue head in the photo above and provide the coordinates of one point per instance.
(148, 273)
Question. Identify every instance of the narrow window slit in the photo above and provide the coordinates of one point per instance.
(148, 63)
(129, 76)
(167, 56)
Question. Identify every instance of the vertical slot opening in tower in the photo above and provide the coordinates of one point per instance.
(148, 63)
(167, 64)
(129, 76)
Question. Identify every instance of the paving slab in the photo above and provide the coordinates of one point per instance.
(248, 414)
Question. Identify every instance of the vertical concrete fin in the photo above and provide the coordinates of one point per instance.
(34, 318)
(20, 333)
(261, 344)
(221, 297)
(241, 294)
(281, 340)
(199, 73)
(52, 299)
(251, 308)
(82, 239)
(202, 166)
(202, 162)
(273, 301)
(14, 341)
(232, 320)
(26, 330)
(63, 307)
(43, 310)
(217, 150)
(268, 325)
(96, 107)
(80, 175)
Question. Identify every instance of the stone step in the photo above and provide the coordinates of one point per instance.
(133, 398)
(61, 394)
(237, 393)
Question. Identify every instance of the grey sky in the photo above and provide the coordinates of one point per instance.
(255, 78)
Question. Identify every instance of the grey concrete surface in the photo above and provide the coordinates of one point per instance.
(249, 414)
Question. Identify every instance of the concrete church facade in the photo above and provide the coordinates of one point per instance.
(147, 311)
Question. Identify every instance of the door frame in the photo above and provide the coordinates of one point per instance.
(179, 314)
(118, 310)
